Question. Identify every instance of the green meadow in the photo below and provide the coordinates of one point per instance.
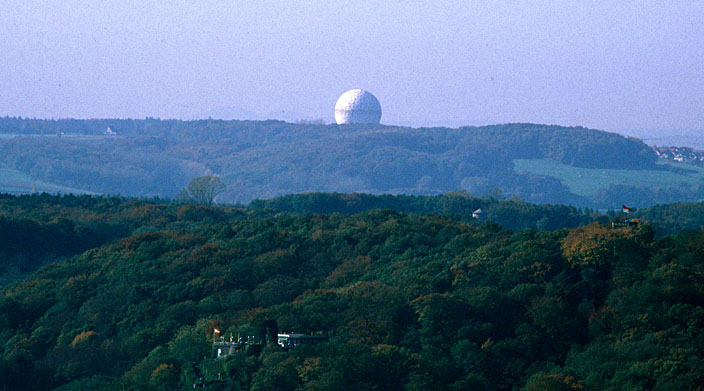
(587, 182)
(15, 182)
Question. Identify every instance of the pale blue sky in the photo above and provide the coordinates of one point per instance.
(606, 65)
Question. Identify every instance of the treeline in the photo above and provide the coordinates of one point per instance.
(613, 196)
(410, 302)
(265, 159)
(40, 228)
(675, 217)
(513, 214)
(35, 126)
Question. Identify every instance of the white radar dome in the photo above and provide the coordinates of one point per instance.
(357, 107)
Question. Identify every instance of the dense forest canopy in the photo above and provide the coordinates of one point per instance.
(409, 301)
(43, 228)
(512, 213)
(265, 159)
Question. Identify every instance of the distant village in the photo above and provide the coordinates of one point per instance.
(680, 154)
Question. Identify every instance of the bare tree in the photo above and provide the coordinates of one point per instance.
(203, 190)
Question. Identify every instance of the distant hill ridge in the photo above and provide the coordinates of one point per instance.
(526, 139)
(264, 159)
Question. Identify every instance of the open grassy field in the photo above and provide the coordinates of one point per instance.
(15, 182)
(587, 182)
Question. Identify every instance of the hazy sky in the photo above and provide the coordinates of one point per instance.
(606, 64)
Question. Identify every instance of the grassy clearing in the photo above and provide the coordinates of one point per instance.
(587, 182)
(15, 182)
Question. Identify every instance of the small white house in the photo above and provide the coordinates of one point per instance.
(479, 214)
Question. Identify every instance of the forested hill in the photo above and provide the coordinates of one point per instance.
(570, 145)
(270, 158)
(409, 302)
(513, 214)
(41, 228)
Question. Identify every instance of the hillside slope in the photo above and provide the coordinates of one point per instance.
(38, 229)
(409, 302)
(270, 158)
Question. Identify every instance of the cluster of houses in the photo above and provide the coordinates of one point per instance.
(210, 371)
(680, 154)
(222, 347)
